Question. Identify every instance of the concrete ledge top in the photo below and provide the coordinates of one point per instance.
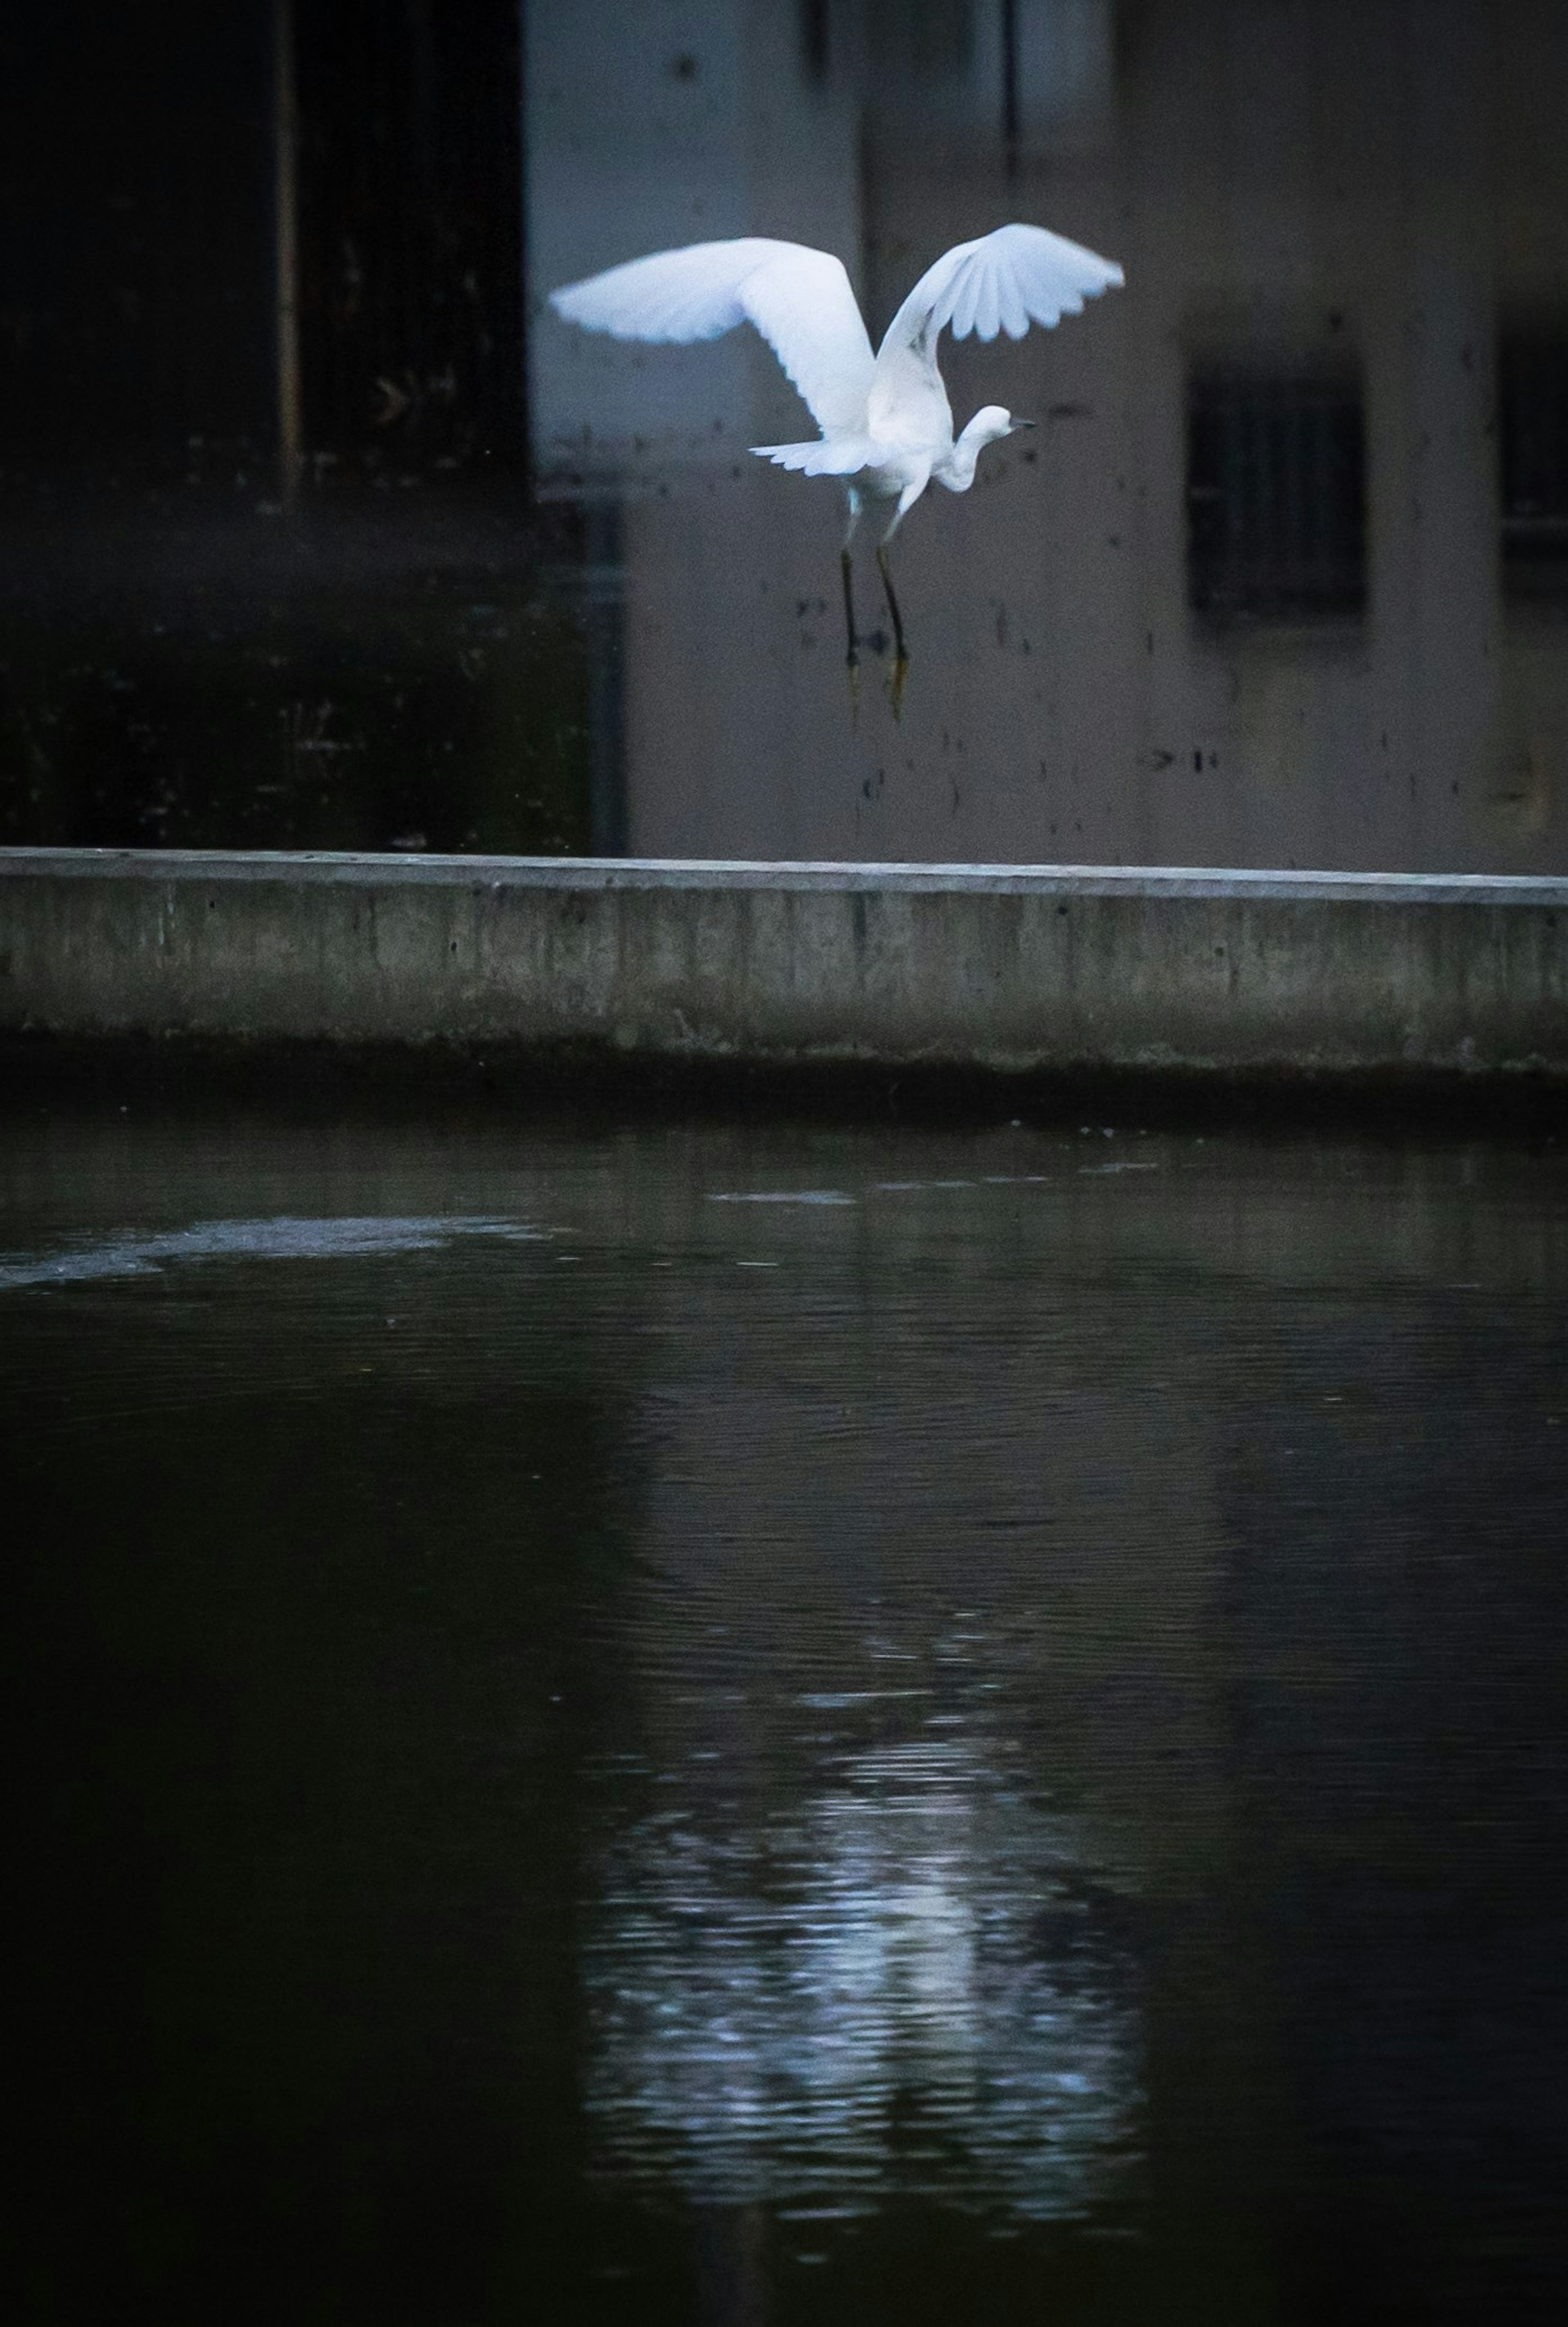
(1007, 968)
(397, 870)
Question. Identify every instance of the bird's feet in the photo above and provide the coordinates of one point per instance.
(896, 684)
(852, 671)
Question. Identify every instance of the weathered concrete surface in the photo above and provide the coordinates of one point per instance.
(1003, 968)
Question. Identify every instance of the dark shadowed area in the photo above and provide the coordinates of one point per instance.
(744, 1723)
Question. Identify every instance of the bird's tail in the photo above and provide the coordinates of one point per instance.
(838, 456)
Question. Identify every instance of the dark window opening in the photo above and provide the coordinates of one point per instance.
(922, 39)
(410, 205)
(815, 49)
(1533, 448)
(136, 251)
(1276, 502)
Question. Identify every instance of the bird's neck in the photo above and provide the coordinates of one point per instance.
(956, 468)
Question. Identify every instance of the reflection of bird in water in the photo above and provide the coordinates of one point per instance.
(887, 425)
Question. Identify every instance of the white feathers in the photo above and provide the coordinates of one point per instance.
(799, 299)
(801, 302)
(834, 456)
(1005, 281)
(885, 419)
(887, 425)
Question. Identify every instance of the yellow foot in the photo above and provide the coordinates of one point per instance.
(896, 685)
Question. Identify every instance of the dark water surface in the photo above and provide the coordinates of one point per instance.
(750, 1724)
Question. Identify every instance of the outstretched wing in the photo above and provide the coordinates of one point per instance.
(838, 456)
(799, 299)
(1003, 281)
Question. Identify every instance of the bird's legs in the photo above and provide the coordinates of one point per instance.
(907, 500)
(852, 659)
(900, 658)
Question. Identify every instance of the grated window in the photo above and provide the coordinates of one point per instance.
(1276, 497)
(1533, 451)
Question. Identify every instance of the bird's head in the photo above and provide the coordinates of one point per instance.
(991, 422)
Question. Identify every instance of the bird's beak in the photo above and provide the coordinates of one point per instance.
(1014, 425)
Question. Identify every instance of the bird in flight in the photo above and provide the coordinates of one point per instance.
(886, 424)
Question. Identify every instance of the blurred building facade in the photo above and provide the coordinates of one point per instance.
(1283, 579)
(270, 572)
(316, 527)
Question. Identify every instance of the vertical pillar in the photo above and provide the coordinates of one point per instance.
(285, 180)
(1437, 603)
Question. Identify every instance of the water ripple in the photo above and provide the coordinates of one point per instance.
(284, 1239)
(901, 1988)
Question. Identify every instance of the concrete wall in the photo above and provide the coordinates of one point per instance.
(967, 966)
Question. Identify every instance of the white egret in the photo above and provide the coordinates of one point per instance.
(886, 424)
